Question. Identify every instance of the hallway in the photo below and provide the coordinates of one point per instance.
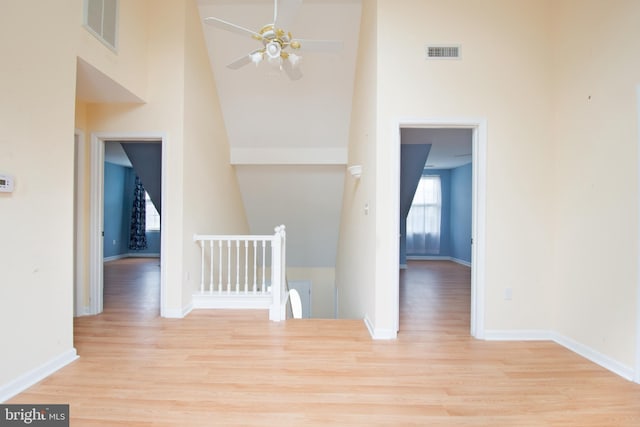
(132, 287)
(435, 298)
(219, 367)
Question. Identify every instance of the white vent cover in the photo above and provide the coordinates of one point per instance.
(101, 18)
(443, 51)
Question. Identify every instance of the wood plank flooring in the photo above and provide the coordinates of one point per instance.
(236, 368)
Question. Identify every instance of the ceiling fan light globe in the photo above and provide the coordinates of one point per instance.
(294, 59)
(273, 50)
(256, 57)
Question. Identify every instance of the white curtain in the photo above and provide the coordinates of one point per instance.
(423, 221)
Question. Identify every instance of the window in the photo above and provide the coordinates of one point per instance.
(423, 221)
(101, 19)
(152, 217)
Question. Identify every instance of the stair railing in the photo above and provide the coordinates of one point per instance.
(245, 265)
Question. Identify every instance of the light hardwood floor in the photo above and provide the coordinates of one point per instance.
(237, 368)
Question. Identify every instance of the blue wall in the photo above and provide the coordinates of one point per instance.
(115, 220)
(461, 212)
(119, 183)
(455, 224)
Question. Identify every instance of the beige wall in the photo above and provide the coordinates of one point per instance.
(596, 162)
(355, 264)
(322, 288)
(211, 196)
(182, 104)
(36, 147)
(556, 84)
(162, 114)
(166, 64)
(504, 76)
(83, 209)
(129, 66)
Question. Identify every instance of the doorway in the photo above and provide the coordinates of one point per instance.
(96, 227)
(478, 129)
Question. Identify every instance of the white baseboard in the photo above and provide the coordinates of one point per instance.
(461, 262)
(378, 333)
(137, 255)
(115, 257)
(224, 301)
(84, 311)
(130, 255)
(25, 381)
(595, 356)
(587, 352)
(438, 258)
(177, 313)
(428, 258)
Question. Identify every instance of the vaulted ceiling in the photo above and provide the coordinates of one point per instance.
(288, 138)
(262, 107)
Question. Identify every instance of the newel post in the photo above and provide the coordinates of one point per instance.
(278, 265)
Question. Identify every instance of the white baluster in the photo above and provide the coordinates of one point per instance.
(219, 265)
(229, 266)
(264, 262)
(201, 242)
(246, 266)
(255, 264)
(211, 267)
(237, 266)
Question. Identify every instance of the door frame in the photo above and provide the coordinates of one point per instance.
(478, 228)
(96, 223)
(80, 266)
(636, 376)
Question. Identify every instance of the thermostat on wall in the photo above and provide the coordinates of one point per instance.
(6, 183)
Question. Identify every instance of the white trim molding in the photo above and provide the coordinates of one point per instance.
(585, 351)
(130, 255)
(79, 244)
(379, 334)
(478, 125)
(98, 140)
(594, 356)
(230, 301)
(436, 258)
(177, 313)
(636, 377)
(30, 378)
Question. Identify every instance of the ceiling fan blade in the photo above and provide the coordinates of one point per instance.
(228, 26)
(284, 11)
(294, 73)
(319, 45)
(242, 61)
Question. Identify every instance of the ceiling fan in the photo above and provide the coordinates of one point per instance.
(279, 47)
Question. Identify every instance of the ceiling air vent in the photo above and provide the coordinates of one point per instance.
(443, 51)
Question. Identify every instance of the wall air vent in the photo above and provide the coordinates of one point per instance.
(443, 51)
(101, 19)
